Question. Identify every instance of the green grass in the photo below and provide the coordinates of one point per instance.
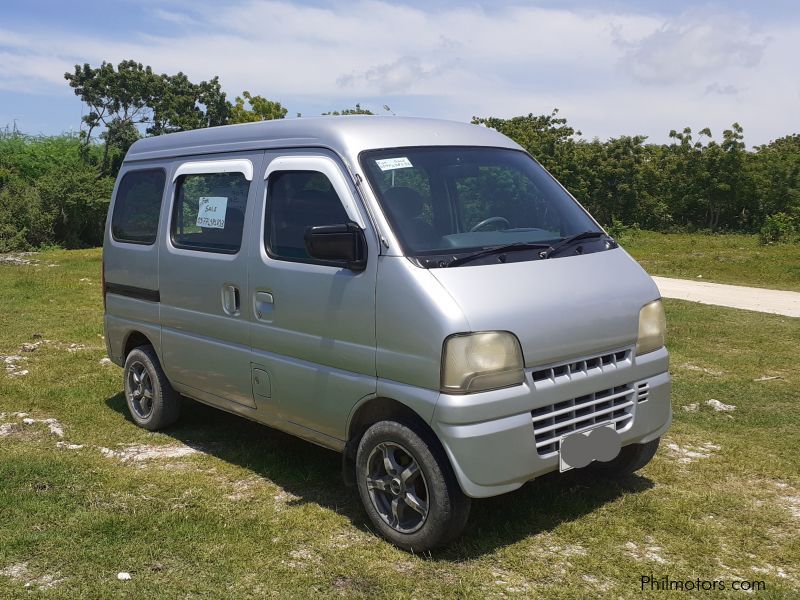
(258, 513)
(736, 259)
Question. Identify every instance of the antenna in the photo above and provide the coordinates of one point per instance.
(388, 109)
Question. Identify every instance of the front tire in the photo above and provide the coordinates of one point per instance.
(152, 402)
(408, 487)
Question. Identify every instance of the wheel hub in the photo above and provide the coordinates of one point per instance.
(397, 487)
(139, 389)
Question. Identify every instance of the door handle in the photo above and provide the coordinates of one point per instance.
(264, 306)
(231, 300)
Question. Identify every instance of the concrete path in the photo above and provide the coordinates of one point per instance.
(734, 296)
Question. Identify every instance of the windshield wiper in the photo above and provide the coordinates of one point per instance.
(516, 246)
(571, 239)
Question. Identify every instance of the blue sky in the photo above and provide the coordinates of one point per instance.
(611, 67)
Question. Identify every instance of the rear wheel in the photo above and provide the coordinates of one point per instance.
(152, 402)
(630, 459)
(408, 487)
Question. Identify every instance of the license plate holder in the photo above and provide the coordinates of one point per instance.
(597, 442)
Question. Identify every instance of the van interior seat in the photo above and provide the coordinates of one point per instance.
(229, 236)
(406, 206)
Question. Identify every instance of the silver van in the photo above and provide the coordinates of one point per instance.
(419, 295)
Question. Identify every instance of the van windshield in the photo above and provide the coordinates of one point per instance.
(445, 203)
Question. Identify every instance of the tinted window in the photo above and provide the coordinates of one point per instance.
(298, 200)
(138, 204)
(209, 211)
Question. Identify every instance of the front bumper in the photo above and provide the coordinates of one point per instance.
(490, 437)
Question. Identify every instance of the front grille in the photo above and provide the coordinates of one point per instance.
(602, 363)
(614, 405)
(643, 392)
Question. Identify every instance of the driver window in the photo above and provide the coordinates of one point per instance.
(297, 200)
(407, 195)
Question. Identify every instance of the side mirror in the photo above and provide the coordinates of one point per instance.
(343, 245)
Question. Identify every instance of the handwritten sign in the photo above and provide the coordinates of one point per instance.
(211, 212)
(390, 164)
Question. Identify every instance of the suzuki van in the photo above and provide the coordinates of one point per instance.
(419, 295)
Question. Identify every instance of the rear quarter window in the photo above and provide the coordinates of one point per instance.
(138, 206)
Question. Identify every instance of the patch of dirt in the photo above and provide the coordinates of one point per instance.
(301, 559)
(105, 361)
(143, 452)
(353, 538)
(602, 585)
(689, 454)
(511, 582)
(7, 429)
(52, 424)
(566, 550)
(342, 584)
(690, 407)
(18, 259)
(22, 574)
(24, 422)
(245, 489)
(769, 569)
(699, 369)
(76, 347)
(284, 498)
(69, 446)
(402, 566)
(786, 496)
(647, 551)
(12, 364)
(720, 406)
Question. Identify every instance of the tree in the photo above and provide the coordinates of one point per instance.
(548, 138)
(349, 111)
(180, 105)
(260, 109)
(77, 201)
(124, 101)
(116, 98)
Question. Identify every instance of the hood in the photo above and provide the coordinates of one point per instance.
(559, 308)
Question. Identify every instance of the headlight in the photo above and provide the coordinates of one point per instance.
(476, 362)
(652, 327)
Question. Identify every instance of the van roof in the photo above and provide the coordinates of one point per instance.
(345, 135)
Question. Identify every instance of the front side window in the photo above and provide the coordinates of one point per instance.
(296, 201)
(208, 214)
(451, 201)
(137, 206)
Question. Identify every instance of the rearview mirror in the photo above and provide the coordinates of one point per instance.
(343, 245)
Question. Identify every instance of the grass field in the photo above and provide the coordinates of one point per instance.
(218, 507)
(736, 259)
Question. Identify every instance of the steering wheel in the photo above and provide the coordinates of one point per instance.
(491, 220)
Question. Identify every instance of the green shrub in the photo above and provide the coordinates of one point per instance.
(78, 200)
(780, 228)
(624, 234)
(24, 224)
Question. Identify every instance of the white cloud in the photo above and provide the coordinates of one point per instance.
(398, 76)
(609, 72)
(693, 46)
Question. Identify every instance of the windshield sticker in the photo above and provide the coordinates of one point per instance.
(211, 212)
(390, 164)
